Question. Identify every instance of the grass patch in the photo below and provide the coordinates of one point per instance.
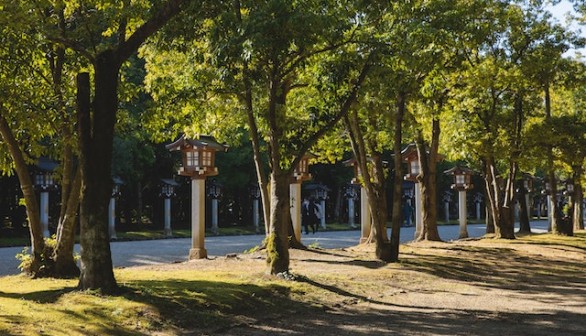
(214, 296)
(151, 301)
(576, 241)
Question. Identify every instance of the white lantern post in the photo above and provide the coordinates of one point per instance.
(45, 183)
(116, 183)
(365, 217)
(351, 195)
(255, 195)
(198, 163)
(300, 174)
(411, 157)
(214, 193)
(167, 192)
(462, 183)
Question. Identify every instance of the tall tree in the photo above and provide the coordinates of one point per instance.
(271, 69)
(105, 34)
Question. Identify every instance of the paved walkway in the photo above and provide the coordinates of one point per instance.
(145, 252)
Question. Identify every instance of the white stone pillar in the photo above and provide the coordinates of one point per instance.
(255, 216)
(167, 227)
(529, 206)
(323, 214)
(549, 213)
(478, 210)
(295, 192)
(45, 213)
(215, 228)
(112, 218)
(418, 209)
(365, 220)
(351, 212)
(198, 203)
(462, 214)
(447, 210)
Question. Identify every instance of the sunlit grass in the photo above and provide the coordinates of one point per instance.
(150, 301)
(578, 240)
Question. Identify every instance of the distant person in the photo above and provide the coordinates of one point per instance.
(314, 215)
(407, 212)
(305, 215)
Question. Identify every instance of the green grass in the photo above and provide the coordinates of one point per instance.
(205, 300)
(151, 301)
(576, 241)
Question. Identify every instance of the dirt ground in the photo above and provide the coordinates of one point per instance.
(477, 287)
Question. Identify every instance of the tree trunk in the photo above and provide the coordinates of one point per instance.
(65, 265)
(30, 199)
(556, 215)
(378, 209)
(506, 223)
(96, 137)
(278, 239)
(373, 182)
(398, 178)
(524, 226)
(427, 179)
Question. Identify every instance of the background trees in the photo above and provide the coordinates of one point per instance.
(231, 68)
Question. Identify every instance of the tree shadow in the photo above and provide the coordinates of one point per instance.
(370, 264)
(46, 296)
(502, 268)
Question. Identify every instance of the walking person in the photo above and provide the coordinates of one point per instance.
(305, 215)
(314, 215)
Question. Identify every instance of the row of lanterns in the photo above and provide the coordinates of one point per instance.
(198, 163)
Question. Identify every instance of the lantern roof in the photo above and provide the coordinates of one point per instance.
(46, 164)
(117, 180)
(352, 161)
(459, 170)
(409, 153)
(308, 156)
(170, 182)
(202, 141)
(314, 186)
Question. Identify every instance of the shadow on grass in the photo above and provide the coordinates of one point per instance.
(503, 268)
(212, 305)
(47, 296)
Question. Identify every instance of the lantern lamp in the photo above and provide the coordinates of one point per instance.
(168, 187)
(462, 177)
(214, 189)
(254, 191)
(198, 155)
(301, 172)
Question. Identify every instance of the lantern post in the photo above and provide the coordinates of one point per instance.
(351, 195)
(116, 183)
(365, 218)
(462, 183)
(300, 174)
(167, 192)
(198, 157)
(447, 199)
(478, 198)
(411, 157)
(44, 182)
(547, 192)
(255, 195)
(214, 192)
